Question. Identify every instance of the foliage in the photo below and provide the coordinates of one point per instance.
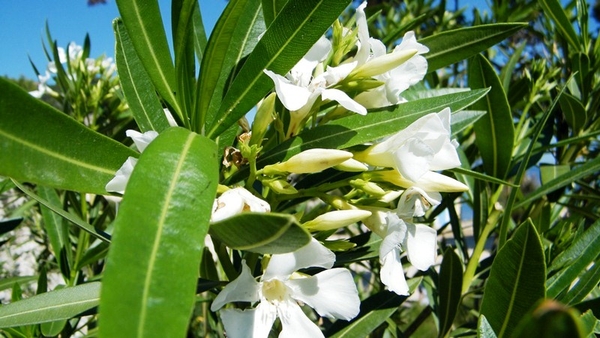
(486, 157)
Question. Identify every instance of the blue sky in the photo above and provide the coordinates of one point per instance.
(23, 22)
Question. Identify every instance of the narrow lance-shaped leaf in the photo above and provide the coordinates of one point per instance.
(56, 229)
(199, 33)
(554, 10)
(143, 21)
(185, 62)
(354, 130)
(299, 25)
(39, 144)
(137, 87)
(495, 131)
(51, 306)
(451, 46)
(516, 281)
(449, 289)
(271, 8)
(158, 238)
(234, 36)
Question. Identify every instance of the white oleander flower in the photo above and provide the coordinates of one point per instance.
(280, 291)
(141, 141)
(235, 201)
(423, 146)
(417, 240)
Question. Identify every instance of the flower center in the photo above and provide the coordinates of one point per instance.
(274, 290)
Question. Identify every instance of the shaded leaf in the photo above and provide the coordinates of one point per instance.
(495, 131)
(261, 232)
(449, 289)
(554, 10)
(574, 111)
(550, 319)
(516, 281)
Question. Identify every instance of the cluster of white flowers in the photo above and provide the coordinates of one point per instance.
(73, 59)
(409, 159)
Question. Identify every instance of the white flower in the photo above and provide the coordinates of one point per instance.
(298, 90)
(42, 86)
(415, 201)
(141, 141)
(332, 293)
(235, 201)
(423, 146)
(420, 243)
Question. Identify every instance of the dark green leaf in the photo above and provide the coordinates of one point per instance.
(516, 281)
(261, 232)
(185, 62)
(553, 9)
(584, 286)
(449, 289)
(495, 131)
(152, 267)
(39, 144)
(550, 319)
(56, 229)
(574, 111)
(137, 87)
(271, 9)
(234, 36)
(51, 306)
(455, 45)
(143, 21)
(9, 225)
(299, 25)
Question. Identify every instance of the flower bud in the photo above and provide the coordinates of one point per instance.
(309, 161)
(336, 219)
(280, 186)
(368, 187)
(382, 64)
(351, 165)
(430, 181)
(263, 118)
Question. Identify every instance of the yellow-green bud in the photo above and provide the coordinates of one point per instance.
(280, 186)
(309, 161)
(368, 187)
(336, 219)
(351, 165)
(382, 64)
(263, 118)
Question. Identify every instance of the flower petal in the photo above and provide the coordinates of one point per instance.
(254, 323)
(395, 237)
(242, 289)
(421, 245)
(414, 202)
(344, 100)
(141, 140)
(294, 322)
(311, 255)
(119, 182)
(292, 96)
(392, 273)
(332, 293)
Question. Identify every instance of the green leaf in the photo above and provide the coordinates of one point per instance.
(295, 30)
(52, 329)
(550, 319)
(449, 289)
(47, 147)
(574, 111)
(578, 172)
(455, 45)
(463, 119)
(234, 36)
(51, 306)
(373, 312)
(586, 283)
(516, 281)
(357, 129)
(57, 208)
(137, 87)
(571, 262)
(185, 62)
(152, 267)
(271, 9)
(56, 229)
(554, 10)
(261, 232)
(143, 21)
(199, 33)
(495, 131)
(7, 283)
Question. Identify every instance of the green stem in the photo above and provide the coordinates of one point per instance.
(490, 225)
